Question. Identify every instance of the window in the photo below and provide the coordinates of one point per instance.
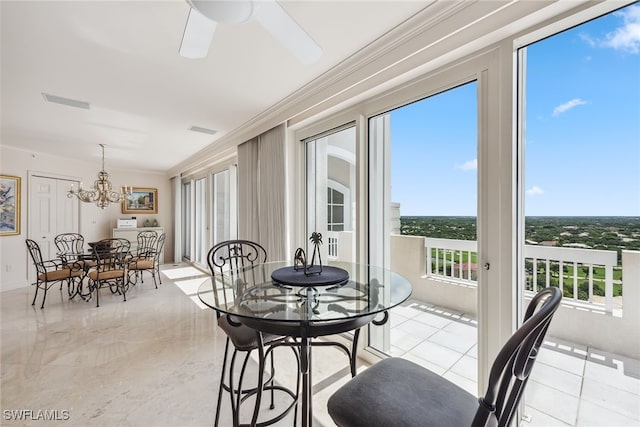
(335, 210)
(201, 224)
(186, 220)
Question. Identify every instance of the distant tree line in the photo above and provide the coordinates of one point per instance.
(607, 233)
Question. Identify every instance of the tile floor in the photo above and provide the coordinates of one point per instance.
(155, 359)
(571, 385)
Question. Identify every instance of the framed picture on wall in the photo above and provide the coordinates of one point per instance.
(9, 205)
(141, 201)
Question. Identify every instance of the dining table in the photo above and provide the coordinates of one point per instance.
(286, 299)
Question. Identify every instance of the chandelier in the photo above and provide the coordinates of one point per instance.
(102, 192)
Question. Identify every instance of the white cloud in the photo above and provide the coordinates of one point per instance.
(535, 191)
(470, 165)
(567, 106)
(625, 38)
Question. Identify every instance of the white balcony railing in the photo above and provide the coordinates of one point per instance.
(437, 268)
(456, 260)
(332, 244)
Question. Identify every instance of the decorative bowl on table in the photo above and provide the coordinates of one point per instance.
(292, 276)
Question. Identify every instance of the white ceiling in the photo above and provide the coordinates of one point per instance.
(122, 57)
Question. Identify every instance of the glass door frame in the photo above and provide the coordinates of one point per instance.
(496, 185)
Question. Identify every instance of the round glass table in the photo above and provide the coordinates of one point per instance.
(342, 297)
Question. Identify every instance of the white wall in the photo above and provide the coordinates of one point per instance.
(95, 223)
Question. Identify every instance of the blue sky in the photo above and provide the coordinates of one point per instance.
(582, 130)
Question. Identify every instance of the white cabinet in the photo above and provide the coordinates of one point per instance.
(131, 234)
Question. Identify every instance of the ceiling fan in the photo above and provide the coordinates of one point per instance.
(206, 14)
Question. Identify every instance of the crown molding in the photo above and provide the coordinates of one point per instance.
(307, 95)
(436, 34)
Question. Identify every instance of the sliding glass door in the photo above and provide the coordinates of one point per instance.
(423, 209)
(187, 210)
(209, 213)
(331, 195)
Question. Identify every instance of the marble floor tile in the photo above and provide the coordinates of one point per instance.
(155, 360)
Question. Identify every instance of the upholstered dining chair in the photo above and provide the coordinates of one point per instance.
(49, 272)
(225, 259)
(111, 257)
(397, 392)
(144, 258)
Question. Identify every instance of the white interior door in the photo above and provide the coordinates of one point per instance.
(51, 212)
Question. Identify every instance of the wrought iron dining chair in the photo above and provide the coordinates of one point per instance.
(144, 257)
(71, 250)
(398, 392)
(226, 261)
(49, 272)
(70, 246)
(111, 257)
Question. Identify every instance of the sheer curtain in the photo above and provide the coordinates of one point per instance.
(261, 191)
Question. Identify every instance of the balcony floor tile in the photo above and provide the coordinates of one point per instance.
(592, 415)
(612, 398)
(459, 343)
(437, 354)
(404, 340)
(417, 329)
(619, 372)
(557, 378)
(467, 367)
(552, 402)
(462, 382)
(540, 419)
(433, 320)
(571, 384)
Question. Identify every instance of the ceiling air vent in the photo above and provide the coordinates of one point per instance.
(66, 101)
(202, 130)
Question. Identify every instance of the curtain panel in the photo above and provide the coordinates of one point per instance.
(262, 191)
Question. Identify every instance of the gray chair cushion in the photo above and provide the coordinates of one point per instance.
(243, 337)
(401, 393)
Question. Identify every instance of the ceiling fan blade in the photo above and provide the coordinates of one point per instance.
(287, 31)
(198, 33)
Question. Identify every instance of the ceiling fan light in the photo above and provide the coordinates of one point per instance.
(224, 11)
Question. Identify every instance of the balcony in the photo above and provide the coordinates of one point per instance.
(576, 381)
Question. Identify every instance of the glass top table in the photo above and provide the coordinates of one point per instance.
(343, 297)
(251, 293)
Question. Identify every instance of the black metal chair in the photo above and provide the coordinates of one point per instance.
(396, 392)
(70, 246)
(226, 261)
(145, 257)
(52, 271)
(111, 257)
(71, 251)
(156, 258)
